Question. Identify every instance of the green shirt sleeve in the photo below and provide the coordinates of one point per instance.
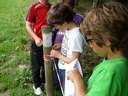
(103, 84)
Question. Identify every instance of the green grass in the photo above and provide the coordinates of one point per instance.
(15, 72)
(14, 52)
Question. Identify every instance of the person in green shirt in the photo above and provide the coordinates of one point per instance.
(106, 31)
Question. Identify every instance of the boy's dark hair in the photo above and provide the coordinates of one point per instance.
(125, 2)
(110, 18)
(59, 14)
(71, 3)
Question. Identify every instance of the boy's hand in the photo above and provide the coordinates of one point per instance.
(38, 42)
(56, 46)
(55, 54)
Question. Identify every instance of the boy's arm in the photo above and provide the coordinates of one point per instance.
(38, 41)
(75, 77)
(69, 59)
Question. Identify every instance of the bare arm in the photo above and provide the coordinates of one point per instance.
(38, 41)
(76, 78)
(68, 59)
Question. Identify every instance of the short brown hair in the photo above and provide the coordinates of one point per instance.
(111, 18)
(71, 3)
(60, 13)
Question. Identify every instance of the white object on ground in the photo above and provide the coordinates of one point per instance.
(37, 90)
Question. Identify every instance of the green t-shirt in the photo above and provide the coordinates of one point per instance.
(109, 78)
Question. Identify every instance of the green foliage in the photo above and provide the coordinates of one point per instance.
(23, 78)
(14, 49)
(21, 92)
(23, 83)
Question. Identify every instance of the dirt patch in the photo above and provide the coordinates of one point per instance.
(3, 87)
(6, 93)
(21, 67)
(3, 90)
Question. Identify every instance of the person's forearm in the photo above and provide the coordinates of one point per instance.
(66, 59)
(30, 31)
(79, 87)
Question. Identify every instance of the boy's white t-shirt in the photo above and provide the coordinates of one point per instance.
(73, 41)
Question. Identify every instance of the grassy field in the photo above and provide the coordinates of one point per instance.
(15, 74)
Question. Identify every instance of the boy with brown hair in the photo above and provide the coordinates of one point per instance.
(106, 30)
(61, 17)
(36, 18)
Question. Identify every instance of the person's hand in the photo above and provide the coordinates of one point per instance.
(55, 54)
(56, 46)
(74, 75)
(38, 42)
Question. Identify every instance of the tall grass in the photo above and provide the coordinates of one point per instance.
(15, 72)
(14, 48)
